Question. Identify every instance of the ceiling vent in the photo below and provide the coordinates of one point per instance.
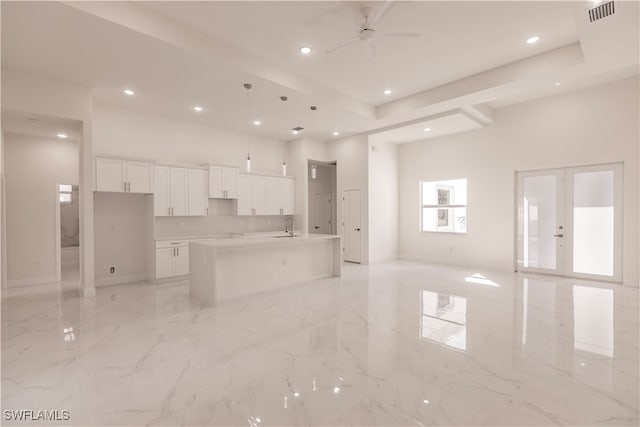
(601, 11)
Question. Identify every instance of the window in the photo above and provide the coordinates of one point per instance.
(444, 206)
(66, 193)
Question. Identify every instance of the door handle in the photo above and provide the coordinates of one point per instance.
(558, 235)
(316, 227)
(357, 229)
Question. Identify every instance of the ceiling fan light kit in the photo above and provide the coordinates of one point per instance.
(367, 33)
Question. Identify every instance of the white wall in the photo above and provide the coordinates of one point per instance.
(135, 134)
(596, 125)
(383, 201)
(121, 237)
(351, 155)
(34, 167)
(42, 95)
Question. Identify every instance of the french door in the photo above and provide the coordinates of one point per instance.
(570, 222)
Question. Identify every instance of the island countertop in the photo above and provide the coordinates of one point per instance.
(252, 242)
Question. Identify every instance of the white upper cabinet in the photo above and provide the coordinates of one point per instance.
(180, 192)
(244, 195)
(223, 182)
(125, 176)
(266, 195)
(110, 174)
(288, 196)
(139, 177)
(162, 192)
(198, 200)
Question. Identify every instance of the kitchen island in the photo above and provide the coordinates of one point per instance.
(224, 269)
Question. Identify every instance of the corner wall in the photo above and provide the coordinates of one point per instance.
(383, 201)
(596, 125)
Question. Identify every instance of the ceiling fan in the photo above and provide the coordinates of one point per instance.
(367, 33)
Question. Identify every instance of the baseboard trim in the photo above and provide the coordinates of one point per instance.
(34, 289)
(120, 280)
(32, 281)
(384, 259)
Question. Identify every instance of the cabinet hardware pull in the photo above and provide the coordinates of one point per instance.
(124, 183)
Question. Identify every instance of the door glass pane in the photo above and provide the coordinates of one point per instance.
(593, 223)
(539, 222)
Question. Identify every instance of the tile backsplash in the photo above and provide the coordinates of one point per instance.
(219, 220)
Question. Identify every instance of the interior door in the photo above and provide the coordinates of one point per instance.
(570, 222)
(351, 223)
(321, 214)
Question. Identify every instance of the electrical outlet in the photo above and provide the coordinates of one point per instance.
(112, 270)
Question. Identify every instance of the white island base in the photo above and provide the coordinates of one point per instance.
(224, 269)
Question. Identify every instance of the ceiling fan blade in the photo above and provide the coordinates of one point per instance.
(372, 49)
(398, 33)
(341, 45)
(382, 10)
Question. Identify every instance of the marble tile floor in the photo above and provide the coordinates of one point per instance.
(398, 343)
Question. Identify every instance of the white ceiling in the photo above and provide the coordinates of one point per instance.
(40, 125)
(177, 54)
(445, 124)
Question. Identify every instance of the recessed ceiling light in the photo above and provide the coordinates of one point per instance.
(427, 129)
(295, 132)
(305, 50)
(129, 92)
(336, 133)
(556, 84)
(425, 401)
(533, 39)
(257, 122)
(387, 91)
(62, 136)
(198, 108)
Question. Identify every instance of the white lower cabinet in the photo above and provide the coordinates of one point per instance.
(172, 259)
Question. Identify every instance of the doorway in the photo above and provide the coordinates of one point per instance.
(69, 232)
(570, 222)
(352, 215)
(322, 210)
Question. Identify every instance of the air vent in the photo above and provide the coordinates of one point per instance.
(602, 11)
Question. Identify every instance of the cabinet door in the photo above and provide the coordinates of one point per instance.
(198, 199)
(230, 182)
(273, 196)
(259, 186)
(164, 262)
(161, 191)
(181, 261)
(110, 174)
(288, 196)
(179, 184)
(216, 189)
(139, 177)
(244, 195)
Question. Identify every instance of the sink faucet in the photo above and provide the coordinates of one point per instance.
(286, 226)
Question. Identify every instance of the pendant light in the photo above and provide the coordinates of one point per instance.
(314, 168)
(248, 86)
(284, 115)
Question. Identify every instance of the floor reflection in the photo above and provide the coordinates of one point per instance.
(444, 319)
